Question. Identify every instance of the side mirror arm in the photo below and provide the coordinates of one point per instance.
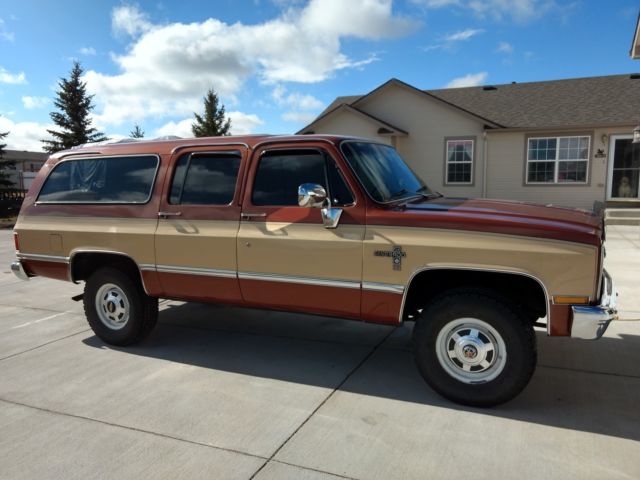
(330, 215)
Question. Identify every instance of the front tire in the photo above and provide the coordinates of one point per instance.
(117, 308)
(474, 348)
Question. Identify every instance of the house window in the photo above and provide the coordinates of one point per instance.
(459, 162)
(558, 159)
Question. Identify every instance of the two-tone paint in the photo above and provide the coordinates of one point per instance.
(284, 258)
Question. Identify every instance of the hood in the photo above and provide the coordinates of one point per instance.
(499, 216)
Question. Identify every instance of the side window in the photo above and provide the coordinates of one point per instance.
(101, 180)
(341, 196)
(205, 179)
(280, 173)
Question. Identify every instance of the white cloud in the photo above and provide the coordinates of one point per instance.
(241, 124)
(129, 20)
(518, 10)
(299, 117)
(12, 78)
(24, 135)
(448, 41)
(463, 35)
(167, 68)
(505, 47)
(244, 123)
(470, 80)
(302, 106)
(178, 129)
(89, 51)
(34, 102)
(295, 100)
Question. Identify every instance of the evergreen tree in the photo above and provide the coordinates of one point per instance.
(137, 132)
(74, 116)
(5, 181)
(214, 122)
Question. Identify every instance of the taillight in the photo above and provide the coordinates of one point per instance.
(16, 241)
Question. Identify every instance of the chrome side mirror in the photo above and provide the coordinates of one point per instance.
(311, 195)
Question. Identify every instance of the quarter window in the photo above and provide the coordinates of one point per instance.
(558, 159)
(459, 162)
(280, 173)
(205, 179)
(101, 180)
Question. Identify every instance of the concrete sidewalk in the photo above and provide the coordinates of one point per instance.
(221, 392)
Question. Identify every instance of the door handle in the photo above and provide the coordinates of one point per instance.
(169, 214)
(249, 216)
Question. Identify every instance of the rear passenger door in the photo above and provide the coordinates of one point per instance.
(198, 223)
(287, 258)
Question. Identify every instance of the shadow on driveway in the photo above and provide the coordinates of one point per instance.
(214, 337)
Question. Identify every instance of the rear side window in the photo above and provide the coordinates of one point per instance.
(205, 179)
(279, 175)
(101, 180)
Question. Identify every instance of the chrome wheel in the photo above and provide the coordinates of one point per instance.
(112, 306)
(471, 350)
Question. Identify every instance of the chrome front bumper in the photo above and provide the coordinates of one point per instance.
(591, 321)
(18, 270)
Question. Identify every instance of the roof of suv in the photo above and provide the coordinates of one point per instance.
(167, 146)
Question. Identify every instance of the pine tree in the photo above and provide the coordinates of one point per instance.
(5, 181)
(214, 122)
(137, 132)
(74, 116)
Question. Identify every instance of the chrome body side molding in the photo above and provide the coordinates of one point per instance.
(207, 272)
(322, 282)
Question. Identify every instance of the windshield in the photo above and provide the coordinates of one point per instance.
(382, 172)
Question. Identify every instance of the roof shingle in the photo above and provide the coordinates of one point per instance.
(609, 100)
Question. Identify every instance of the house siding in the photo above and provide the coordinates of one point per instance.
(507, 162)
(349, 123)
(428, 122)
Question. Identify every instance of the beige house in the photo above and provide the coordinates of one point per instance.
(566, 142)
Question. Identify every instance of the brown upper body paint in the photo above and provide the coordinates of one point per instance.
(286, 259)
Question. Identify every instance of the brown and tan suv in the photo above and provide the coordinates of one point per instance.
(317, 224)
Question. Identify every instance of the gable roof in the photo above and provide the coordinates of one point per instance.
(385, 127)
(577, 102)
(611, 100)
(427, 93)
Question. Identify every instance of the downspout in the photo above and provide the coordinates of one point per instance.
(485, 148)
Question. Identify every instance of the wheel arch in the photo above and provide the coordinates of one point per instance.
(83, 262)
(510, 283)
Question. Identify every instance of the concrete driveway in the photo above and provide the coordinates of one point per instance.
(219, 392)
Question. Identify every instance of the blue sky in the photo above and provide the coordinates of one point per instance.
(277, 63)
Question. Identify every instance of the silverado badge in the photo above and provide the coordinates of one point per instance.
(396, 255)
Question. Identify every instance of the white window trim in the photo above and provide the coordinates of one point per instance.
(557, 160)
(447, 162)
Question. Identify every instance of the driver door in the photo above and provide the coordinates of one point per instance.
(287, 258)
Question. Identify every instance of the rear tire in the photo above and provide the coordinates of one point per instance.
(117, 308)
(472, 347)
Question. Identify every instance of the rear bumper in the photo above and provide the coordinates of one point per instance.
(18, 270)
(591, 321)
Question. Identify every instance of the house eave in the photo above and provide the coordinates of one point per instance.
(564, 128)
(635, 44)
